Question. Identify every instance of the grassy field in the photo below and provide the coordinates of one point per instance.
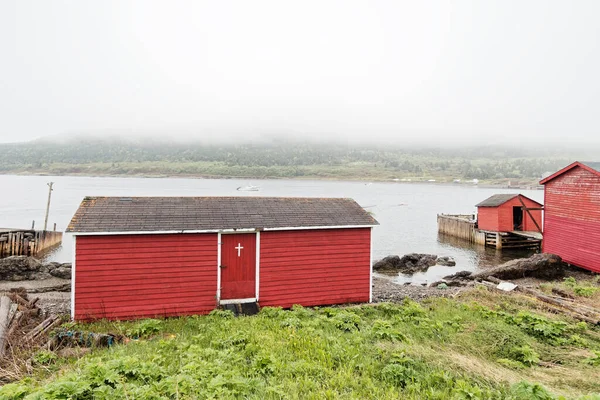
(481, 345)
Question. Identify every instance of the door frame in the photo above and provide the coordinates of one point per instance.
(256, 263)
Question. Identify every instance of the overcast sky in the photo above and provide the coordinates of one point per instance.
(425, 71)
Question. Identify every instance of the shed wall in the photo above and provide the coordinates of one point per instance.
(572, 218)
(315, 267)
(136, 276)
(487, 218)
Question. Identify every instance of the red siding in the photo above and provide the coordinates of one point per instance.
(136, 276)
(315, 267)
(487, 218)
(572, 218)
(500, 219)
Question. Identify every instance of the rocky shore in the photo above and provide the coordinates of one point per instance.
(50, 282)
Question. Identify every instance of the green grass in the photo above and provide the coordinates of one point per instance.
(482, 346)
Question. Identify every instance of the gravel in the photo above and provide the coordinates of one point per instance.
(384, 290)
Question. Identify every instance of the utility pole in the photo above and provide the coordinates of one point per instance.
(48, 206)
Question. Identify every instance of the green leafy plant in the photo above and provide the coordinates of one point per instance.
(594, 360)
(585, 291)
(570, 281)
(525, 355)
(44, 357)
(145, 328)
(527, 391)
(384, 330)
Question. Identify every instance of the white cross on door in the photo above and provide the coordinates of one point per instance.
(239, 248)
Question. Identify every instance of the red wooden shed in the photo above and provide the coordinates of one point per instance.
(505, 213)
(572, 215)
(141, 257)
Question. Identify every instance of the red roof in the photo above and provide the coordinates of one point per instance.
(568, 168)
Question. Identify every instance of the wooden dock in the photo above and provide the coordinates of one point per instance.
(27, 242)
(465, 227)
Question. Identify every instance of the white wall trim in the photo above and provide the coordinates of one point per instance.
(73, 277)
(303, 228)
(371, 267)
(219, 246)
(224, 231)
(237, 301)
(257, 265)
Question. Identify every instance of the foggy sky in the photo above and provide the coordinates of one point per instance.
(407, 71)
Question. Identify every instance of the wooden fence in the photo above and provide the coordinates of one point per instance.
(27, 242)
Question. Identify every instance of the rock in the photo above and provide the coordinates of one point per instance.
(459, 275)
(447, 283)
(51, 265)
(446, 261)
(61, 272)
(40, 276)
(18, 268)
(408, 264)
(389, 263)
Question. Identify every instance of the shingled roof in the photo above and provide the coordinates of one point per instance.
(499, 199)
(179, 214)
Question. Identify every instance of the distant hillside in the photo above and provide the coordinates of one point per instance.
(276, 160)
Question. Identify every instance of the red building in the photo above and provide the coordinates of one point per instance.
(505, 213)
(164, 256)
(572, 215)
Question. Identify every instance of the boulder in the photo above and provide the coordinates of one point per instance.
(446, 261)
(18, 268)
(408, 264)
(389, 263)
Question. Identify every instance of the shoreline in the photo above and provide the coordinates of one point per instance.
(530, 185)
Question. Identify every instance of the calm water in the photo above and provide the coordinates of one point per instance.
(407, 212)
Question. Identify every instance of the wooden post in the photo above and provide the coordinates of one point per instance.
(55, 227)
(48, 205)
(33, 224)
(529, 213)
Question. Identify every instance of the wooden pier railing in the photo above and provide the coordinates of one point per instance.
(27, 242)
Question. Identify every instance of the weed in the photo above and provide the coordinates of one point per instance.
(594, 360)
(570, 282)
(525, 355)
(384, 330)
(44, 357)
(145, 328)
(585, 291)
(528, 391)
